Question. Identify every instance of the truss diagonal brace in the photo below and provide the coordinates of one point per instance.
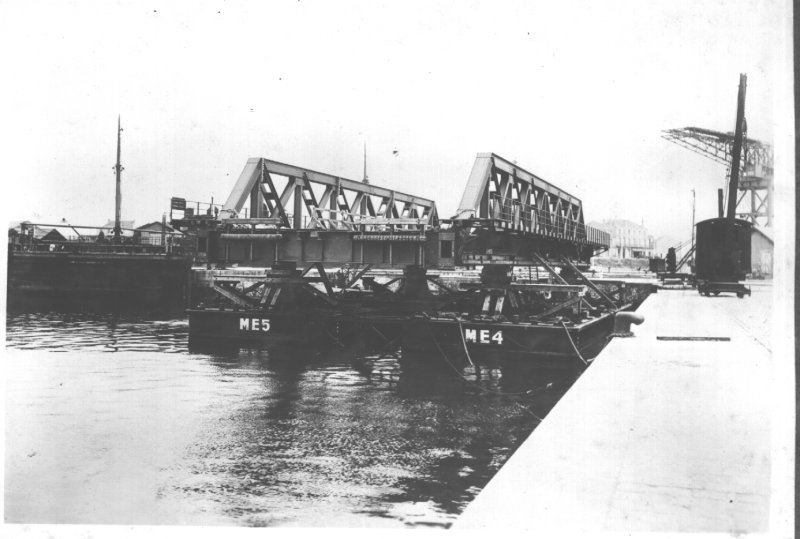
(549, 269)
(266, 178)
(229, 295)
(561, 306)
(589, 283)
(358, 275)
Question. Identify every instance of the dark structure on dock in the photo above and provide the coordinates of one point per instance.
(723, 244)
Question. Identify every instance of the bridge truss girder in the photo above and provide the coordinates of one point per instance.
(502, 198)
(301, 199)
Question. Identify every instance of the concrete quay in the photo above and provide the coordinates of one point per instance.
(659, 435)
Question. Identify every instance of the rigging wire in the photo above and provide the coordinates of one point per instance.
(481, 388)
(573, 344)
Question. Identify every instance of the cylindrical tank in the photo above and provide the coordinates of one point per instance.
(672, 264)
(723, 252)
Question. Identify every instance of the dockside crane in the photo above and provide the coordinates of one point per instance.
(756, 166)
(723, 243)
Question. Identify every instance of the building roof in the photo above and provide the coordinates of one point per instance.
(53, 234)
(40, 232)
(123, 224)
(156, 225)
(766, 232)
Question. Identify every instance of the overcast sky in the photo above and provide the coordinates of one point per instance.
(575, 92)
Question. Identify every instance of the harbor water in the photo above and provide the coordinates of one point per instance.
(117, 419)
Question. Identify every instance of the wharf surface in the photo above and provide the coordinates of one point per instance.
(656, 435)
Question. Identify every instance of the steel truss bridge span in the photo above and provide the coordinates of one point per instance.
(508, 212)
(279, 212)
(299, 198)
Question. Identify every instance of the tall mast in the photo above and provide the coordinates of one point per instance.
(736, 157)
(365, 198)
(366, 178)
(693, 203)
(118, 170)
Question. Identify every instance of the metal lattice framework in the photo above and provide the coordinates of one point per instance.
(292, 197)
(501, 195)
(757, 165)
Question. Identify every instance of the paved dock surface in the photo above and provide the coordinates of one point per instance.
(657, 435)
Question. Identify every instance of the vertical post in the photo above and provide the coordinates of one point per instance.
(483, 208)
(118, 171)
(693, 205)
(334, 201)
(366, 178)
(364, 196)
(720, 203)
(736, 155)
(768, 202)
(298, 202)
(164, 231)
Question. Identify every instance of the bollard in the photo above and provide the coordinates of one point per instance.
(623, 321)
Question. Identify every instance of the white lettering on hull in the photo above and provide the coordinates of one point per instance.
(254, 324)
(483, 336)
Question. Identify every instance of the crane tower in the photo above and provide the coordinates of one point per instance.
(754, 198)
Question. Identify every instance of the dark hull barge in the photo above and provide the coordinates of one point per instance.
(96, 280)
(483, 341)
(552, 323)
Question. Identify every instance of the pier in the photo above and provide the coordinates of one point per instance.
(668, 431)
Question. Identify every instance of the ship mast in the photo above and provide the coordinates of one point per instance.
(366, 178)
(118, 200)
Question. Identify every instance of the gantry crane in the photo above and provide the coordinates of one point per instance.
(757, 169)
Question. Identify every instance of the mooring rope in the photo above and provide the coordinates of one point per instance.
(337, 341)
(481, 388)
(573, 344)
(463, 341)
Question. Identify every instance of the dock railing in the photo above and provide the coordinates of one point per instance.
(94, 240)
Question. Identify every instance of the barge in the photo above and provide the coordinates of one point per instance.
(92, 272)
(558, 324)
(69, 279)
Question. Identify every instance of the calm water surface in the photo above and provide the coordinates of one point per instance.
(117, 420)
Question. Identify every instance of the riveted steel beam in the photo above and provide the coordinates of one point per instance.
(328, 209)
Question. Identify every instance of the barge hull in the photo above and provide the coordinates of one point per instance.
(82, 281)
(494, 340)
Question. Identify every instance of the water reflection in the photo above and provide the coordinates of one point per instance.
(262, 436)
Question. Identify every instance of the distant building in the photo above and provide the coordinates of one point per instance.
(662, 244)
(53, 235)
(126, 226)
(151, 232)
(628, 239)
(762, 247)
(37, 232)
(27, 234)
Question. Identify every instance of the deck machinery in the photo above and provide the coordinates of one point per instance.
(302, 224)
